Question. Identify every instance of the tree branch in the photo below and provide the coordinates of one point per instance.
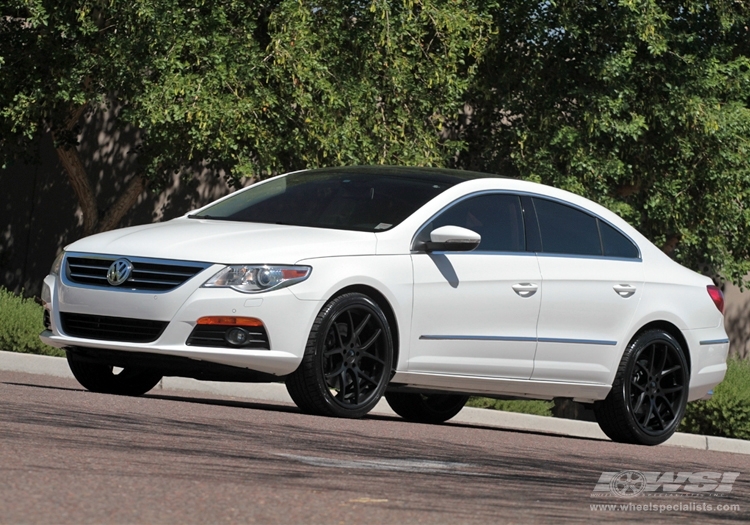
(124, 202)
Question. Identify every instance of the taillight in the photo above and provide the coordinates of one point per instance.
(716, 296)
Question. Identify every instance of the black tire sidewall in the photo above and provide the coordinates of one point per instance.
(328, 315)
(638, 346)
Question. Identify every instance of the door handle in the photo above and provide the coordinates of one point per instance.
(525, 289)
(624, 290)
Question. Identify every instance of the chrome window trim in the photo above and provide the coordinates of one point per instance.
(546, 254)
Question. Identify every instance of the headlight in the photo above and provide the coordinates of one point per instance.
(256, 279)
(55, 270)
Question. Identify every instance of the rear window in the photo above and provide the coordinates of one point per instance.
(366, 200)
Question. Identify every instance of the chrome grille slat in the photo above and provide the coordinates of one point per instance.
(158, 275)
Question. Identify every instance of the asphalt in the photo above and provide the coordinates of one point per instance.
(58, 367)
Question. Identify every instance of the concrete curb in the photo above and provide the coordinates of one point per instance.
(55, 366)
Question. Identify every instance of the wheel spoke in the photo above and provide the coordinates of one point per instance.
(361, 326)
(371, 340)
(342, 386)
(638, 405)
(661, 420)
(334, 351)
(355, 384)
(641, 366)
(373, 357)
(668, 405)
(652, 361)
(671, 390)
(352, 335)
(660, 369)
(646, 419)
(368, 378)
(634, 383)
(338, 371)
(338, 335)
(675, 368)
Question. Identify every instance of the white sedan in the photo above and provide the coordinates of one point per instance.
(423, 285)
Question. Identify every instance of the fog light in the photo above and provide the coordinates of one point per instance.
(237, 336)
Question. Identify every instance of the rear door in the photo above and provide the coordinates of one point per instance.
(593, 280)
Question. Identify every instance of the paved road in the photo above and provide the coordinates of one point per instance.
(71, 456)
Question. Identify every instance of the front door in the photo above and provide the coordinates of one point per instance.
(475, 313)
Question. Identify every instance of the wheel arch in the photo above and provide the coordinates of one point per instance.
(672, 330)
(384, 305)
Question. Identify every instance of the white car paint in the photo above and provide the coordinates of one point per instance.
(563, 340)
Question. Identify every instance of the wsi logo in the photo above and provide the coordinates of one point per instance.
(631, 483)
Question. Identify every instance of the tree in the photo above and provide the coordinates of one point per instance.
(247, 88)
(642, 106)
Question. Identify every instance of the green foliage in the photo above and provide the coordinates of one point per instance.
(727, 413)
(535, 407)
(248, 86)
(21, 325)
(642, 106)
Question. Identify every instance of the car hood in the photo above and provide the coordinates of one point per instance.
(227, 242)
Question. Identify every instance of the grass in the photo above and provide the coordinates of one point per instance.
(727, 413)
(21, 324)
(523, 406)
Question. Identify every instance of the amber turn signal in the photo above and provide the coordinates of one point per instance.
(230, 321)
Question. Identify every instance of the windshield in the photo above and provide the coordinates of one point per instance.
(362, 199)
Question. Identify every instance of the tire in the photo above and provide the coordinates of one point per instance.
(649, 393)
(101, 378)
(347, 361)
(426, 408)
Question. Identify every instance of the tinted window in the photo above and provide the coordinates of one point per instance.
(365, 200)
(567, 230)
(496, 217)
(616, 244)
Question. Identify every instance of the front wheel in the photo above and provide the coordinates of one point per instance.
(103, 379)
(347, 362)
(426, 408)
(649, 393)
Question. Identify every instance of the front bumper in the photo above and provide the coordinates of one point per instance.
(287, 320)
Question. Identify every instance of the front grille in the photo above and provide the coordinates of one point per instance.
(214, 335)
(105, 328)
(147, 274)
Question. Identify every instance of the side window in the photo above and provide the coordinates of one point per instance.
(496, 217)
(567, 230)
(616, 244)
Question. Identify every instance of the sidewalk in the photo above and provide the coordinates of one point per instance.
(55, 366)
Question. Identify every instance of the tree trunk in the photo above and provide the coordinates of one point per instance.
(79, 181)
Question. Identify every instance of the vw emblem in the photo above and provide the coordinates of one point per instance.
(119, 271)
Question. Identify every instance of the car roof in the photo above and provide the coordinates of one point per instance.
(441, 175)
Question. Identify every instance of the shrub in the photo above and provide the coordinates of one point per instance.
(536, 407)
(20, 325)
(727, 413)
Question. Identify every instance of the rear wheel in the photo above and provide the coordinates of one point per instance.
(347, 360)
(104, 379)
(649, 394)
(426, 408)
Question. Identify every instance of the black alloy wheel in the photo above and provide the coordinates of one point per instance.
(348, 359)
(103, 378)
(426, 408)
(649, 394)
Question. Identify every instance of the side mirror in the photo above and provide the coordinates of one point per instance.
(452, 239)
